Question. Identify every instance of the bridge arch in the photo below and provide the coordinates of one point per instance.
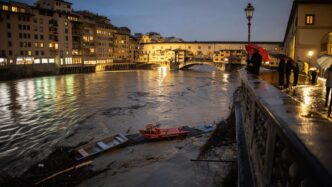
(187, 65)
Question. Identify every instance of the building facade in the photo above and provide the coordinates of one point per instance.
(309, 30)
(122, 44)
(94, 39)
(52, 33)
(35, 35)
(223, 52)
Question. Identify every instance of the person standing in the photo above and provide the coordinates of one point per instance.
(328, 85)
(296, 71)
(281, 72)
(289, 67)
(255, 62)
(313, 77)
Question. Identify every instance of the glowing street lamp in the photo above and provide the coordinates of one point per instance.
(249, 14)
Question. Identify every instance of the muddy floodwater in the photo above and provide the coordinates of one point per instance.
(38, 114)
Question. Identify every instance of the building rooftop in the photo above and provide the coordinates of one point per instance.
(220, 42)
(58, 1)
(64, 1)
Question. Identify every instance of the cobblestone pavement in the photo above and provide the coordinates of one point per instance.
(311, 95)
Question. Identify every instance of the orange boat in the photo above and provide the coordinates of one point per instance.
(153, 133)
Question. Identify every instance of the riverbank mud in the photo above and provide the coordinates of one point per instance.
(206, 159)
(71, 110)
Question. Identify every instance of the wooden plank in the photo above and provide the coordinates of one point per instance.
(83, 152)
(64, 171)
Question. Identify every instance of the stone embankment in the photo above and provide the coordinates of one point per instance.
(288, 143)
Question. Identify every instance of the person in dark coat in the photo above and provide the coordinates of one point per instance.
(296, 71)
(328, 85)
(254, 63)
(281, 72)
(289, 67)
(313, 77)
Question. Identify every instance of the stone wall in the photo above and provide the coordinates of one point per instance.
(271, 76)
(287, 143)
(22, 71)
(9, 72)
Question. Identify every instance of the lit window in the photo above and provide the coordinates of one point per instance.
(51, 45)
(29, 53)
(19, 61)
(91, 38)
(14, 9)
(36, 61)
(92, 50)
(51, 60)
(56, 46)
(309, 19)
(22, 10)
(85, 38)
(66, 23)
(44, 60)
(41, 44)
(5, 7)
(36, 44)
(72, 18)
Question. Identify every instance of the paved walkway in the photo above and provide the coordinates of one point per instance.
(311, 95)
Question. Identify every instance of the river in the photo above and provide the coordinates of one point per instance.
(36, 114)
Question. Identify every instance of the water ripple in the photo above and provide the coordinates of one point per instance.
(37, 113)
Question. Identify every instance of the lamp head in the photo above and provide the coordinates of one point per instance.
(249, 11)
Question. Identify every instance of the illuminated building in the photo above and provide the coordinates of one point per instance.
(52, 33)
(95, 39)
(309, 29)
(35, 35)
(217, 51)
(122, 45)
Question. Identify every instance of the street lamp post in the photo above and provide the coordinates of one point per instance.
(249, 13)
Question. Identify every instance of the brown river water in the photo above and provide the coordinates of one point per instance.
(36, 114)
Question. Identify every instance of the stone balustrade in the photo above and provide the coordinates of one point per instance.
(287, 143)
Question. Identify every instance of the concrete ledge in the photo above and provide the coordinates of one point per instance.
(288, 144)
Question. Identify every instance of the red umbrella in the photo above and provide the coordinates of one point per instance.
(250, 50)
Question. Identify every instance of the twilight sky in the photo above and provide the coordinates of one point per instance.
(201, 20)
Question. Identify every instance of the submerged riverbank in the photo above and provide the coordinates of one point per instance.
(206, 159)
(43, 113)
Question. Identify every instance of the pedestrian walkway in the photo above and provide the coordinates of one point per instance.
(311, 95)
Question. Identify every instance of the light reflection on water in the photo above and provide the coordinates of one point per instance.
(37, 113)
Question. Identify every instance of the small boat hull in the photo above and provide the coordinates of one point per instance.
(158, 133)
(91, 149)
(205, 128)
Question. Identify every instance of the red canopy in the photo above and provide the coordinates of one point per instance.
(250, 50)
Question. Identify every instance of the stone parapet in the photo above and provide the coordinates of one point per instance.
(287, 143)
